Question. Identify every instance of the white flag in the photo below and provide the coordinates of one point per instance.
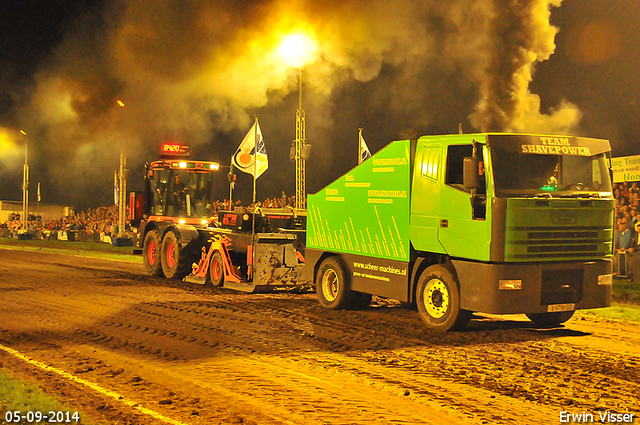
(115, 188)
(364, 151)
(245, 155)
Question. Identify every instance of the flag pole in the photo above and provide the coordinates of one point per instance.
(253, 226)
(231, 187)
(360, 146)
(255, 159)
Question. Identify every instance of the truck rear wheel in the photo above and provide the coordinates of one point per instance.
(151, 253)
(216, 271)
(438, 300)
(332, 286)
(550, 320)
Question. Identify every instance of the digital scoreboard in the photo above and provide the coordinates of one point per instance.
(173, 150)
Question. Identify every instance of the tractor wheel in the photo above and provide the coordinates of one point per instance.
(216, 270)
(438, 300)
(550, 320)
(175, 265)
(151, 253)
(332, 285)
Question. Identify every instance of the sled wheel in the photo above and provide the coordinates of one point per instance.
(216, 271)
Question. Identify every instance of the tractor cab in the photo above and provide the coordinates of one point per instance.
(177, 188)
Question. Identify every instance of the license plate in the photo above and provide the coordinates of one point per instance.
(561, 307)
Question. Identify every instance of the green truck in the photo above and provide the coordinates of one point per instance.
(493, 223)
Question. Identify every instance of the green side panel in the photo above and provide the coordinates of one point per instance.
(559, 230)
(366, 211)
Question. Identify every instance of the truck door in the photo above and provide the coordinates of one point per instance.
(425, 198)
(463, 232)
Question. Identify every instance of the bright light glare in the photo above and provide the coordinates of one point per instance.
(120, 103)
(297, 50)
(183, 164)
(7, 144)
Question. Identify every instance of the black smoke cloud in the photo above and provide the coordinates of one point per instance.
(198, 72)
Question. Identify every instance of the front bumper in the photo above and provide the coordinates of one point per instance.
(542, 284)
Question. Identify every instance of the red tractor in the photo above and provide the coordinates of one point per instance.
(178, 200)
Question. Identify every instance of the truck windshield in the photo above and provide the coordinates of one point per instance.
(516, 174)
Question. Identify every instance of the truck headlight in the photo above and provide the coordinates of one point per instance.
(510, 285)
(605, 279)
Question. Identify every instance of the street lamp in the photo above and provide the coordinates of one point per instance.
(297, 50)
(25, 186)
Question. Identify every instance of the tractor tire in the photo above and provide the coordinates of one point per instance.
(151, 254)
(175, 265)
(550, 320)
(216, 270)
(438, 299)
(332, 285)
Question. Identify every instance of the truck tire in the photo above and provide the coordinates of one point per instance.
(438, 300)
(216, 271)
(151, 253)
(332, 285)
(550, 320)
(175, 265)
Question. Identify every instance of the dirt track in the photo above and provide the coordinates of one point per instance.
(206, 356)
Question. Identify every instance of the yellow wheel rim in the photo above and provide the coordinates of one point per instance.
(436, 298)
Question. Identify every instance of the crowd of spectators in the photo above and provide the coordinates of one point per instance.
(93, 224)
(626, 239)
(101, 224)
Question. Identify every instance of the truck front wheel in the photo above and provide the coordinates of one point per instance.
(438, 300)
(332, 286)
(550, 320)
(151, 253)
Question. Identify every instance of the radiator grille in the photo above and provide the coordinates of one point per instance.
(547, 242)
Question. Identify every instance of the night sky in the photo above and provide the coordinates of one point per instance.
(197, 72)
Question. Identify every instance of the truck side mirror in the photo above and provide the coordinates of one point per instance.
(471, 176)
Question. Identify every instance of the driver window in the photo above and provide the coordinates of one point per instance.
(455, 165)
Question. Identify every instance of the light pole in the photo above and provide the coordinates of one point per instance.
(25, 186)
(299, 156)
(122, 190)
(297, 50)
